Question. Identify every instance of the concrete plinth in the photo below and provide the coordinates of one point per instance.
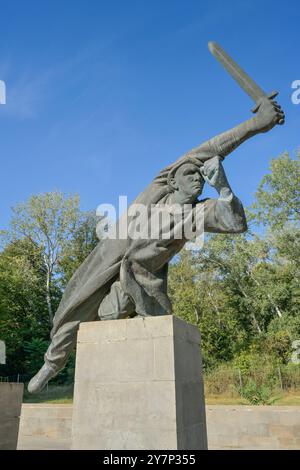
(138, 385)
(11, 395)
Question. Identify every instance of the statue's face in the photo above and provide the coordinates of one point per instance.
(188, 180)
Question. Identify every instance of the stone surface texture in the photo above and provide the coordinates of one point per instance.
(11, 395)
(46, 426)
(138, 385)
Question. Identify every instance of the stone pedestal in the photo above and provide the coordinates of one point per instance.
(11, 395)
(138, 385)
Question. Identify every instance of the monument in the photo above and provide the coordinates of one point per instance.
(124, 368)
(11, 395)
(146, 393)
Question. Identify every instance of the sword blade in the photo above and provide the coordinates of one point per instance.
(236, 72)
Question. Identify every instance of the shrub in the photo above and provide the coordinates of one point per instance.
(290, 374)
(222, 380)
(257, 394)
(260, 368)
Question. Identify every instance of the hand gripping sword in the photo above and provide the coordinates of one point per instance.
(241, 77)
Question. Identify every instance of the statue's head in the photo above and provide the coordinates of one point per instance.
(187, 181)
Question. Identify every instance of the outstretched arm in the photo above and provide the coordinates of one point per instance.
(268, 115)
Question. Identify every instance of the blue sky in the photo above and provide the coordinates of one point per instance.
(102, 95)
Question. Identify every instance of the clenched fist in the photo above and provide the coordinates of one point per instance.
(213, 172)
(269, 114)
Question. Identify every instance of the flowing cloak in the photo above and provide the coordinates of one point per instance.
(139, 263)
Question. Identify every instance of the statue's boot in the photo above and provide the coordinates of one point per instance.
(38, 382)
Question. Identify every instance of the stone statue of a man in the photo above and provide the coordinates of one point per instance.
(123, 278)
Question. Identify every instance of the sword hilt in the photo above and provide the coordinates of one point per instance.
(271, 96)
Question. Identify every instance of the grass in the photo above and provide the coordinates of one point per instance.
(223, 400)
(63, 394)
(286, 398)
(290, 398)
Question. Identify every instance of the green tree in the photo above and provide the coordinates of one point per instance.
(34, 350)
(23, 308)
(83, 241)
(182, 289)
(278, 195)
(49, 220)
(49, 239)
(199, 297)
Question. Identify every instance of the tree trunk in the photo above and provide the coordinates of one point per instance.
(48, 298)
(255, 322)
(215, 306)
(277, 309)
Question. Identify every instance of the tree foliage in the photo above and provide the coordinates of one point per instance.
(48, 220)
(278, 195)
(49, 238)
(244, 289)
